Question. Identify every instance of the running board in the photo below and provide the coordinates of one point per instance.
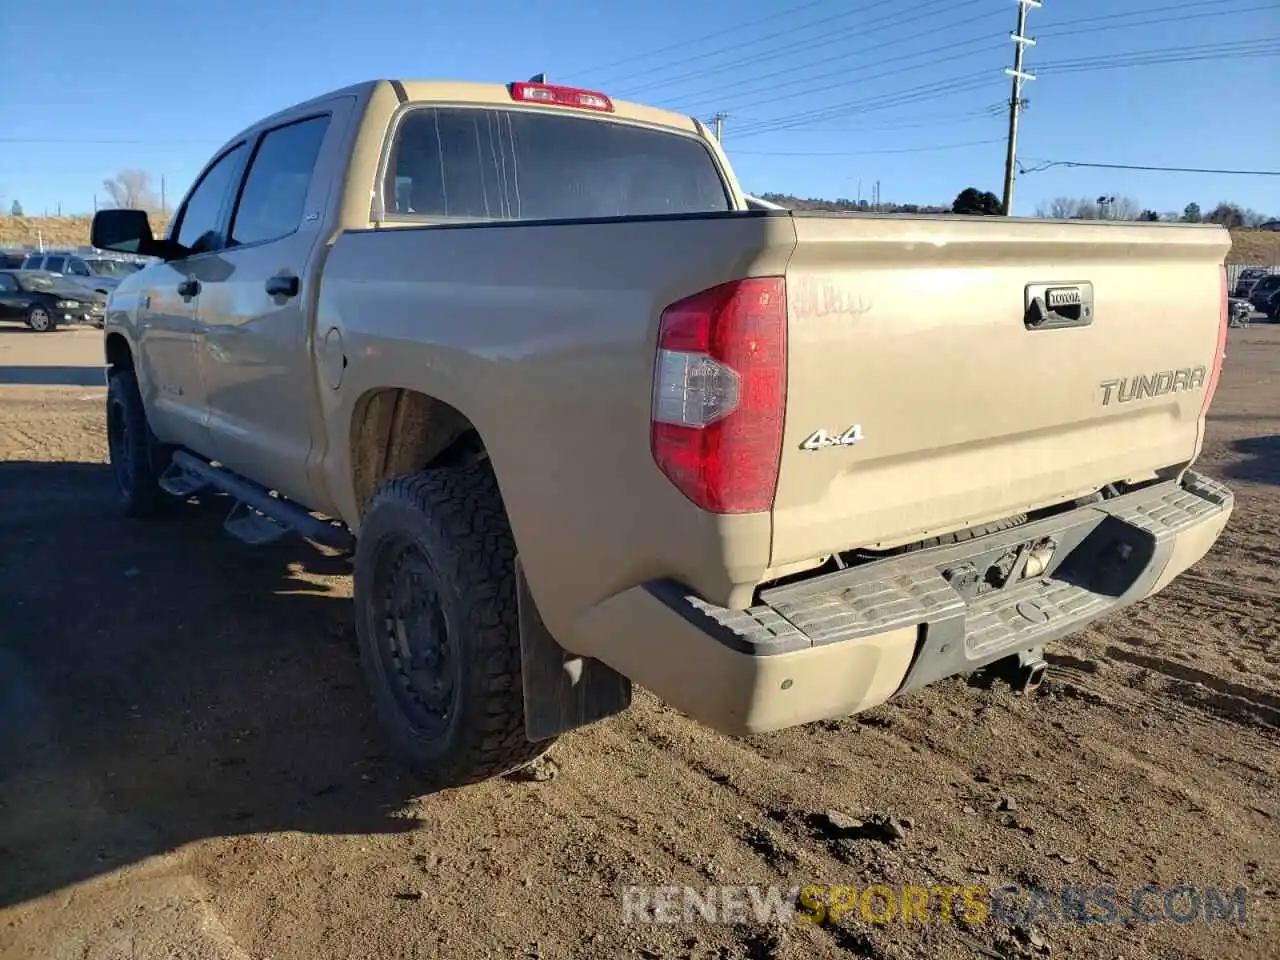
(180, 482)
(251, 527)
(276, 511)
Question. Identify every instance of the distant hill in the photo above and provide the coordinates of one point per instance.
(1248, 246)
(66, 232)
(846, 206)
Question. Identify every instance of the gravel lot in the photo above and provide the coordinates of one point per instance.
(189, 767)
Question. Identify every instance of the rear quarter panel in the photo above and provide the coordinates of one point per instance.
(544, 335)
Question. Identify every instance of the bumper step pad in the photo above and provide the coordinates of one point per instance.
(1108, 555)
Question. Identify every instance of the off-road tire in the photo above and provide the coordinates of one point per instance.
(40, 320)
(454, 518)
(137, 458)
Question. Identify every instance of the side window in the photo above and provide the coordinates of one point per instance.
(7, 283)
(32, 263)
(275, 189)
(55, 264)
(200, 224)
(77, 269)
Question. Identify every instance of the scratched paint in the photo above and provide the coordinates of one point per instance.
(812, 296)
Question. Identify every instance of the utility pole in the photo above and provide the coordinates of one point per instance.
(717, 121)
(1020, 42)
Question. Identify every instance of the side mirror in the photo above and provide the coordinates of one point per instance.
(124, 231)
(129, 231)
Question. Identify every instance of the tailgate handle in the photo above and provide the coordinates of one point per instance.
(1053, 306)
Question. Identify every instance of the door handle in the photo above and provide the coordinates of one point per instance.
(188, 288)
(282, 285)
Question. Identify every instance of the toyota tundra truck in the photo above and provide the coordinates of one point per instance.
(583, 416)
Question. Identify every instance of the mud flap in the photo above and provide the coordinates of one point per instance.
(562, 691)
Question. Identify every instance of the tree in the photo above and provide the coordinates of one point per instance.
(1227, 214)
(974, 201)
(1150, 216)
(1191, 213)
(1123, 208)
(1059, 208)
(131, 190)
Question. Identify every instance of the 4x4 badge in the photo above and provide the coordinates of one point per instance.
(820, 439)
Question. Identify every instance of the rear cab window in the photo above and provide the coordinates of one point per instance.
(55, 264)
(495, 164)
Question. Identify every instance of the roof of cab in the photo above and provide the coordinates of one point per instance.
(497, 94)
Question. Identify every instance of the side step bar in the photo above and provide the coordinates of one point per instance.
(274, 510)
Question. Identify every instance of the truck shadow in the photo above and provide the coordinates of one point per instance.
(161, 683)
(1260, 461)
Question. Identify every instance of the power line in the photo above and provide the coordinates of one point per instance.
(1249, 49)
(865, 28)
(869, 153)
(915, 122)
(719, 95)
(853, 73)
(109, 140)
(1046, 164)
(737, 46)
(1238, 49)
(929, 91)
(1173, 8)
(688, 43)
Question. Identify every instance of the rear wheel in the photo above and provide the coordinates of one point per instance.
(137, 457)
(41, 320)
(436, 617)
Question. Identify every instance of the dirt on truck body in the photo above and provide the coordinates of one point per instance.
(585, 418)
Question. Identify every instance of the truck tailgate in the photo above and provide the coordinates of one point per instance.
(956, 398)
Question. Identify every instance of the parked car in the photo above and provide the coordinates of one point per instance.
(44, 300)
(1248, 277)
(1263, 294)
(600, 421)
(100, 274)
(11, 261)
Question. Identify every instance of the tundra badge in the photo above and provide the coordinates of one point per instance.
(820, 439)
(1126, 389)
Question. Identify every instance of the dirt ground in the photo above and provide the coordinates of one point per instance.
(189, 766)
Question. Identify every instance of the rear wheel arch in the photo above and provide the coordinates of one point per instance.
(399, 431)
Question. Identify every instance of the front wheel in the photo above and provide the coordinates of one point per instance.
(437, 622)
(41, 320)
(137, 458)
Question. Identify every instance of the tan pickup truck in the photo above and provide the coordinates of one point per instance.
(586, 415)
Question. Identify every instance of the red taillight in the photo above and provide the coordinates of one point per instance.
(561, 96)
(1219, 354)
(720, 390)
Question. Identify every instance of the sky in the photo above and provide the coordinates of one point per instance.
(824, 98)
